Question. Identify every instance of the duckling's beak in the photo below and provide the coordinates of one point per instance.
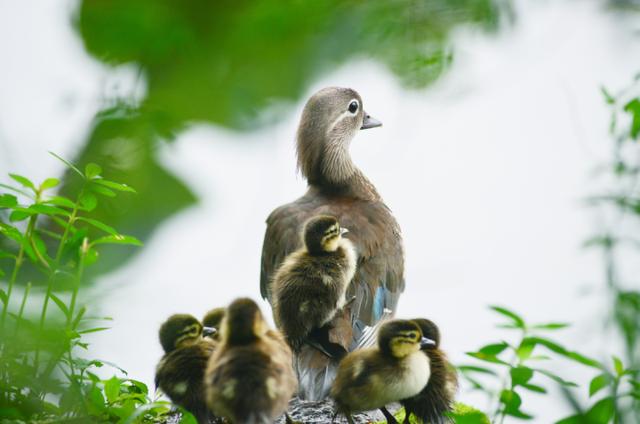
(343, 230)
(425, 343)
(209, 331)
(369, 122)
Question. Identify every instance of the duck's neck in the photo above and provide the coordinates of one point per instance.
(336, 174)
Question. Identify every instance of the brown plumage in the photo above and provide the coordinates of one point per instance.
(436, 399)
(330, 120)
(396, 369)
(310, 286)
(249, 379)
(180, 372)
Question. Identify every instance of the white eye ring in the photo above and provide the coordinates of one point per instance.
(353, 106)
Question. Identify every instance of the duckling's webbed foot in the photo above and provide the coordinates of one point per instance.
(389, 416)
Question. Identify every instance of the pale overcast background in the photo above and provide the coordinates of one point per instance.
(486, 171)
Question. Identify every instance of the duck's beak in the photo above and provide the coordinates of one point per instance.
(343, 230)
(425, 343)
(209, 331)
(369, 122)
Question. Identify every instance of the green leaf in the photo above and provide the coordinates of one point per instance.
(69, 164)
(477, 369)
(602, 411)
(93, 330)
(487, 358)
(512, 402)
(598, 383)
(11, 232)
(102, 190)
(493, 349)
(114, 185)
(618, 366)
(8, 201)
(534, 388)
(24, 181)
(607, 96)
(48, 210)
(555, 378)
(61, 304)
(187, 418)
(60, 201)
(575, 356)
(633, 108)
(88, 201)
(92, 170)
(574, 419)
(517, 320)
(112, 388)
(49, 183)
(99, 225)
(525, 349)
(20, 214)
(520, 375)
(3, 297)
(117, 239)
(551, 326)
(96, 401)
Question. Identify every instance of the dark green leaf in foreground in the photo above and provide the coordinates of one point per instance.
(100, 225)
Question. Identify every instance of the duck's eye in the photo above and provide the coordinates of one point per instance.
(353, 106)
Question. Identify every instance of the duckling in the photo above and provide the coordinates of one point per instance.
(249, 379)
(396, 369)
(331, 119)
(213, 319)
(180, 372)
(311, 285)
(436, 399)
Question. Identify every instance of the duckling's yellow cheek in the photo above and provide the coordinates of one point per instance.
(229, 389)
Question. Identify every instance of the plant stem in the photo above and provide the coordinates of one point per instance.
(54, 269)
(16, 268)
(22, 305)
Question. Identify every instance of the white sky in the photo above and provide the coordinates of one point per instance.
(485, 170)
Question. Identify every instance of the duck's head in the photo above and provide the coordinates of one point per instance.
(399, 338)
(243, 322)
(212, 321)
(180, 330)
(322, 233)
(429, 330)
(330, 120)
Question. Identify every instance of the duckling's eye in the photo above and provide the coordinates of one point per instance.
(353, 106)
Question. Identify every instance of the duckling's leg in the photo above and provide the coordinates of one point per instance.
(388, 415)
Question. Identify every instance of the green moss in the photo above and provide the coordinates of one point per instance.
(462, 414)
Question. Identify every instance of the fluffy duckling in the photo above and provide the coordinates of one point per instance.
(436, 399)
(249, 379)
(310, 286)
(396, 369)
(180, 372)
(213, 319)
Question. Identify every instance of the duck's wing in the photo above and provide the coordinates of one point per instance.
(379, 279)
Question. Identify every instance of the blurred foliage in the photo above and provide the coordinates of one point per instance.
(230, 63)
(43, 376)
(507, 370)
